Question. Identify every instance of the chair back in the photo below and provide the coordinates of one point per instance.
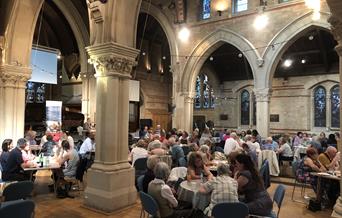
(141, 164)
(236, 210)
(148, 204)
(265, 174)
(140, 183)
(279, 196)
(18, 190)
(17, 208)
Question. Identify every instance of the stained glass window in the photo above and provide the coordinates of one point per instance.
(335, 106)
(198, 93)
(254, 108)
(320, 107)
(206, 9)
(204, 97)
(245, 107)
(241, 5)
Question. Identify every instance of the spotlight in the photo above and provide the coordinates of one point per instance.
(60, 76)
(143, 53)
(240, 55)
(164, 57)
(184, 34)
(288, 63)
(211, 58)
(59, 57)
(303, 61)
(311, 37)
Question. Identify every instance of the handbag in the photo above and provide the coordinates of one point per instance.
(314, 205)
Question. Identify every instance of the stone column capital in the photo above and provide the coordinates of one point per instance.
(336, 28)
(87, 75)
(262, 94)
(112, 59)
(188, 97)
(14, 76)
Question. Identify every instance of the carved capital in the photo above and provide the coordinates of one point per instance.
(14, 76)
(260, 62)
(112, 59)
(262, 95)
(188, 97)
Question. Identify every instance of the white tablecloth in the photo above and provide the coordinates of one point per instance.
(188, 191)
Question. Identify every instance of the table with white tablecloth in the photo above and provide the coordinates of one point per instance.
(188, 191)
(298, 150)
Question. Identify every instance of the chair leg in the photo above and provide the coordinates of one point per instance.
(293, 190)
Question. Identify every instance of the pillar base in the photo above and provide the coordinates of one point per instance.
(337, 212)
(110, 187)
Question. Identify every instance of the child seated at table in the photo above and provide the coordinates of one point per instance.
(197, 168)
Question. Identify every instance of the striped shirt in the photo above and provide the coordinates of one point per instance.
(223, 189)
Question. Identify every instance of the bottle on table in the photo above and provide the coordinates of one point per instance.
(41, 161)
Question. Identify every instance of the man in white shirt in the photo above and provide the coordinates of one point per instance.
(88, 145)
(231, 144)
(252, 144)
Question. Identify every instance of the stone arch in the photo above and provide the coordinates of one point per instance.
(312, 84)
(166, 26)
(284, 39)
(243, 85)
(78, 28)
(208, 45)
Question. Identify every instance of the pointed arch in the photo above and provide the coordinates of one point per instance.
(208, 45)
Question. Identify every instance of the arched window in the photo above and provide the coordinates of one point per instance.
(320, 107)
(204, 97)
(335, 106)
(206, 9)
(245, 107)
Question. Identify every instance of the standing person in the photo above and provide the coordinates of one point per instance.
(257, 136)
(231, 144)
(298, 139)
(88, 145)
(14, 168)
(251, 185)
(87, 126)
(223, 188)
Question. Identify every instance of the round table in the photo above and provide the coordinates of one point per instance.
(188, 191)
(298, 150)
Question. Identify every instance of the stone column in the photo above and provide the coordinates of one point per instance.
(12, 101)
(88, 95)
(262, 98)
(111, 178)
(337, 31)
(188, 112)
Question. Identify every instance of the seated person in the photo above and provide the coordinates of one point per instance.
(13, 170)
(163, 194)
(205, 152)
(196, 168)
(223, 188)
(6, 147)
(138, 151)
(155, 147)
(176, 152)
(312, 164)
(285, 151)
(149, 175)
(251, 185)
(269, 145)
(330, 158)
(47, 148)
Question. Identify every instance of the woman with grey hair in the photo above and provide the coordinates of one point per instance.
(161, 192)
(149, 175)
(223, 188)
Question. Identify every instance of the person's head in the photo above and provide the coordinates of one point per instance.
(208, 142)
(332, 137)
(249, 132)
(300, 134)
(193, 147)
(152, 161)
(141, 143)
(331, 152)
(223, 169)
(22, 143)
(195, 160)
(248, 138)
(233, 135)
(243, 133)
(244, 162)
(65, 145)
(322, 135)
(337, 135)
(154, 145)
(6, 145)
(206, 130)
(269, 140)
(282, 140)
(172, 140)
(312, 153)
(66, 132)
(92, 135)
(185, 134)
(161, 171)
(204, 149)
(158, 127)
(49, 138)
(255, 132)
(146, 128)
(245, 146)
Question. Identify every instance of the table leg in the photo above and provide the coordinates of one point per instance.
(319, 194)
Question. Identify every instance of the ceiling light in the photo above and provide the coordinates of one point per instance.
(260, 21)
(143, 53)
(184, 34)
(164, 57)
(303, 61)
(60, 77)
(240, 55)
(59, 57)
(211, 58)
(288, 63)
(311, 37)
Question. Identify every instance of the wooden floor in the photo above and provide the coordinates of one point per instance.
(47, 205)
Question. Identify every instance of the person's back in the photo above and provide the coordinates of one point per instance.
(230, 145)
(70, 170)
(86, 146)
(3, 159)
(177, 152)
(154, 189)
(47, 148)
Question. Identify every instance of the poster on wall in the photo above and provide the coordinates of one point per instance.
(53, 115)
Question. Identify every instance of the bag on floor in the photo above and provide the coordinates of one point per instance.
(314, 205)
